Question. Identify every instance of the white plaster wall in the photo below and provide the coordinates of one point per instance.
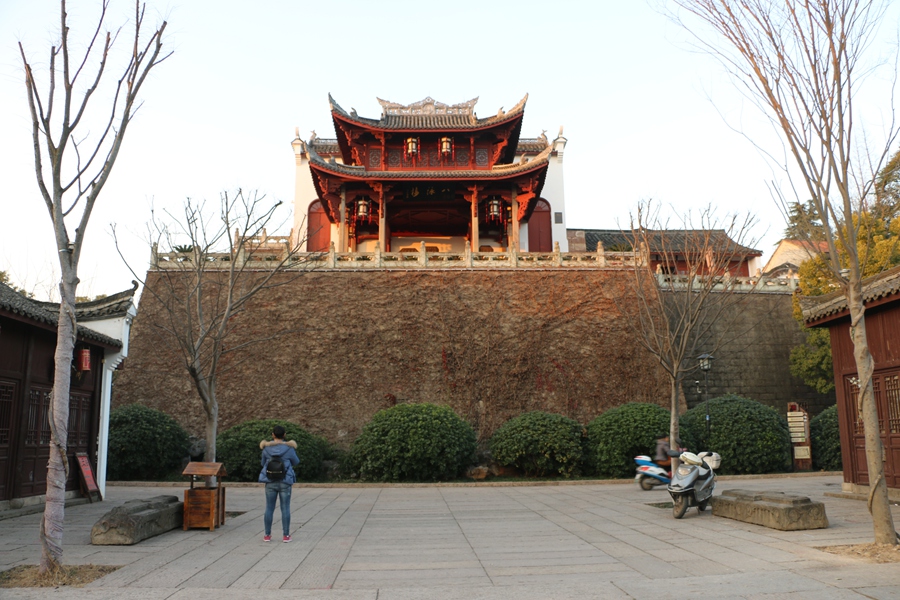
(554, 192)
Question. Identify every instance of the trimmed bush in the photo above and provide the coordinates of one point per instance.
(144, 444)
(826, 440)
(238, 449)
(751, 437)
(414, 442)
(618, 435)
(540, 444)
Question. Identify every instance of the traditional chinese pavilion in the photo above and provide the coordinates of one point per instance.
(430, 173)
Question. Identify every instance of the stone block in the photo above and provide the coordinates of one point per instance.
(777, 510)
(138, 520)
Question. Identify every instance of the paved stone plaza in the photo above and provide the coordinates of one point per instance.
(527, 542)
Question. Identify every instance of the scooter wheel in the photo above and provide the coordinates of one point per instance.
(645, 483)
(679, 506)
(702, 506)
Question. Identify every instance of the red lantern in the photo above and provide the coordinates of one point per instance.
(83, 360)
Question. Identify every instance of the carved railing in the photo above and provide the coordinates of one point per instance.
(422, 259)
(510, 259)
(759, 283)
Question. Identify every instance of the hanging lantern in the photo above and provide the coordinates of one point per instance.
(494, 208)
(83, 360)
(412, 146)
(362, 207)
(446, 147)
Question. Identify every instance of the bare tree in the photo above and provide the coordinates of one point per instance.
(801, 63)
(684, 288)
(204, 277)
(72, 164)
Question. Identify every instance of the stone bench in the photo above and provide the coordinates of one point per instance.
(138, 520)
(787, 512)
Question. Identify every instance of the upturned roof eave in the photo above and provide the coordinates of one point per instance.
(338, 113)
(541, 161)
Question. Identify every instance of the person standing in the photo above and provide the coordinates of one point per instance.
(278, 461)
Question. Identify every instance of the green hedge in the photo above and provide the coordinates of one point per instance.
(539, 443)
(615, 437)
(750, 437)
(826, 440)
(238, 448)
(414, 442)
(144, 444)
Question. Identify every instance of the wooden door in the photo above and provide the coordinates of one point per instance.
(886, 385)
(32, 479)
(540, 234)
(319, 228)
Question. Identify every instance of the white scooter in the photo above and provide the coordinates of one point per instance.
(693, 482)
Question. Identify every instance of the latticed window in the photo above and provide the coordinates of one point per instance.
(38, 431)
(892, 398)
(853, 393)
(7, 395)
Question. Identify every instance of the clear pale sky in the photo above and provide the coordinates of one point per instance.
(646, 115)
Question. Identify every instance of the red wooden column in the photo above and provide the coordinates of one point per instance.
(514, 220)
(382, 218)
(475, 237)
(342, 235)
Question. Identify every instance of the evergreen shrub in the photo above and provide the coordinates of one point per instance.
(749, 436)
(540, 444)
(414, 442)
(615, 437)
(826, 440)
(144, 444)
(238, 448)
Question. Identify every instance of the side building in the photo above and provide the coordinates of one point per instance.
(27, 346)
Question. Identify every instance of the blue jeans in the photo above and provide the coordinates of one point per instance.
(282, 491)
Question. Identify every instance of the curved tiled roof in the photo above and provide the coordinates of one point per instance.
(109, 307)
(532, 145)
(672, 240)
(437, 121)
(325, 145)
(497, 172)
(529, 145)
(876, 287)
(41, 312)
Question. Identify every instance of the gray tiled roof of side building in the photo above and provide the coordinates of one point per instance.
(17, 304)
(674, 240)
(874, 288)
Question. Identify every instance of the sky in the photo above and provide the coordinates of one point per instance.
(646, 114)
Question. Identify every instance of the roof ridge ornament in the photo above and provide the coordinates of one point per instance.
(428, 106)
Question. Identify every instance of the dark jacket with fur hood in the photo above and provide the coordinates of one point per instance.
(284, 450)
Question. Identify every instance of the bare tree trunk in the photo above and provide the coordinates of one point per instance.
(212, 421)
(673, 419)
(879, 505)
(58, 466)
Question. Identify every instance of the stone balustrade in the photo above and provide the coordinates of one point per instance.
(422, 259)
(364, 261)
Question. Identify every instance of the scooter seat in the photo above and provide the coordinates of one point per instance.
(691, 459)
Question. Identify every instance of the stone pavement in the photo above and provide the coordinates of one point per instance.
(473, 542)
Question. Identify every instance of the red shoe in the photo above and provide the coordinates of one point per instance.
(286, 539)
(267, 538)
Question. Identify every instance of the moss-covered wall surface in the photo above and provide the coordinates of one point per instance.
(491, 344)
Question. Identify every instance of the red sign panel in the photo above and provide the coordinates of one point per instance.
(87, 473)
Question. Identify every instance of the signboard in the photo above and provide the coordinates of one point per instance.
(802, 452)
(88, 482)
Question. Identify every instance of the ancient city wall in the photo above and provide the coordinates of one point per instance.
(491, 344)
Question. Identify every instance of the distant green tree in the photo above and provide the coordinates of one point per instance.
(4, 278)
(802, 223)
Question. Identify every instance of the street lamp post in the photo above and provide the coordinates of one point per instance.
(705, 365)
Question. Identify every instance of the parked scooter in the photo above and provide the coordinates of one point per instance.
(649, 474)
(693, 482)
